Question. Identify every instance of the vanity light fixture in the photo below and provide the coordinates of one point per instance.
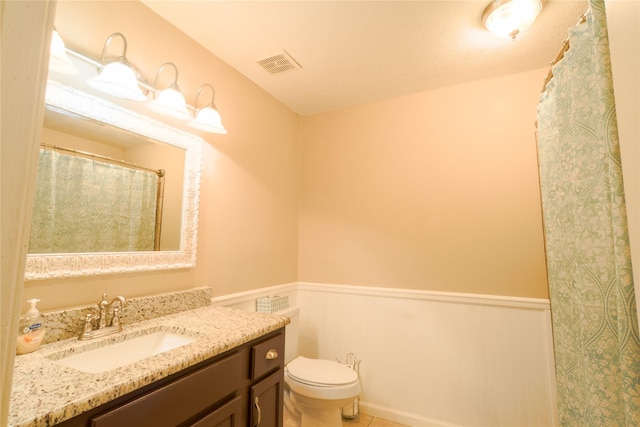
(58, 59)
(507, 18)
(118, 77)
(208, 119)
(169, 101)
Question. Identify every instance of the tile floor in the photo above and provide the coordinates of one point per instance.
(365, 420)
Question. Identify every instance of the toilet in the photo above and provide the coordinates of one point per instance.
(315, 389)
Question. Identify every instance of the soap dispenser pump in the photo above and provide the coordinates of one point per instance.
(31, 332)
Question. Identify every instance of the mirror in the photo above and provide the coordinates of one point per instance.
(103, 189)
(75, 119)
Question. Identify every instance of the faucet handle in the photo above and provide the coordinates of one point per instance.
(115, 320)
(89, 317)
(87, 327)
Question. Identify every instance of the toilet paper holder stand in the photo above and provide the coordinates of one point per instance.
(353, 410)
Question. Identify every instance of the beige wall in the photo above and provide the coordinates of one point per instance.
(247, 236)
(433, 191)
(436, 190)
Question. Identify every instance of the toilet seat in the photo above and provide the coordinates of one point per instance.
(320, 373)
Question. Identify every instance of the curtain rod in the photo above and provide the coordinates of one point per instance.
(159, 172)
(560, 55)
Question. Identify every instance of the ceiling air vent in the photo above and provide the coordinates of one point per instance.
(280, 63)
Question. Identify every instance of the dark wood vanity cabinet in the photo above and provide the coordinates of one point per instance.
(266, 397)
(267, 383)
(228, 415)
(242, 387)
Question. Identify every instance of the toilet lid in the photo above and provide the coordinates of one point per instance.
(321, 372)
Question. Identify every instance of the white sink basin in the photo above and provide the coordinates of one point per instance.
(114, 355)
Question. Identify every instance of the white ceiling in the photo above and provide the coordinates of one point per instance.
(352, 52)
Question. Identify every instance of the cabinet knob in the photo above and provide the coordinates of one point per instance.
(271, 354)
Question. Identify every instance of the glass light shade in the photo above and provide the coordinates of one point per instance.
(118, 79)
(170, 102)
(58, 59)
(208, 120)
(507, 18)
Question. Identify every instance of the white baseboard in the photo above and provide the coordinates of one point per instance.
(400, 417)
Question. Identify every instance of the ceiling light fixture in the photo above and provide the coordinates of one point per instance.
(117, 77)
(207, 118)
(169, 101)
(58, 59)
(507, 18)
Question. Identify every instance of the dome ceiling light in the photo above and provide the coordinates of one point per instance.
(507, 18)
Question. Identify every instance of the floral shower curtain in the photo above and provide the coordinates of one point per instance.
(84, 205)
(593, 305)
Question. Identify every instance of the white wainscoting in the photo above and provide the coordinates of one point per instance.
(437, 359)
(247, 300)
(431, 358)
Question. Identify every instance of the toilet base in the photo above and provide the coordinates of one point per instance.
(312, 412)
(292, 417)
(321, 418)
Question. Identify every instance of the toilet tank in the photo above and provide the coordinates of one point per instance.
(291, 333)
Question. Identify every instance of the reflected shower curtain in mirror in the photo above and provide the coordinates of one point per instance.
(593, 306)
(85, 205)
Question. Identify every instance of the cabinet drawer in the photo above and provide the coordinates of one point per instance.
(179, 400)
(267, 356)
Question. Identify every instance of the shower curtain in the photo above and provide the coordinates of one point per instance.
(85, 205)
(593, 306)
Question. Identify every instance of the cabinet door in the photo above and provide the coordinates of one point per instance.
(228, 415)
(266, 401)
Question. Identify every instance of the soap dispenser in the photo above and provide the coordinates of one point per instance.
(31, 330)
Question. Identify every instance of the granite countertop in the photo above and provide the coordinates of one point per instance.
(45, 393)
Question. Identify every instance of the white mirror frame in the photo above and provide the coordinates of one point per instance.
(51, 266)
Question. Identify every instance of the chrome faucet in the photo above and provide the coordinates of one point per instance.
(117, 306)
